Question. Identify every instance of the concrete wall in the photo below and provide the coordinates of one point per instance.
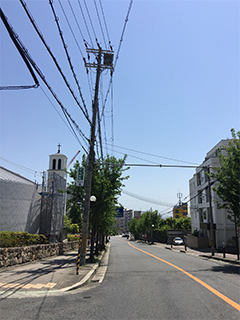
(20, 205)
(196, 242)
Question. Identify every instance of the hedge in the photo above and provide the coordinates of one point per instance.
(20, 239)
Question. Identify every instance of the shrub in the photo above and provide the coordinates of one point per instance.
(73, 237)
(19, 239)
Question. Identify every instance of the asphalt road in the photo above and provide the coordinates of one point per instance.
(149, 284)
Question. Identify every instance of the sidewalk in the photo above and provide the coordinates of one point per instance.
(230, 258)
(55, 274)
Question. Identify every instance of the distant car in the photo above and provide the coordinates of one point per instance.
(178, 241)
(125, 235)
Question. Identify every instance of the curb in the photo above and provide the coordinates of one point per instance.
(88, 277)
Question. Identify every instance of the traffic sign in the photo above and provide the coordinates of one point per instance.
(80, 176)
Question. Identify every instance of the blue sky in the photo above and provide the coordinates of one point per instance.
(175, 89)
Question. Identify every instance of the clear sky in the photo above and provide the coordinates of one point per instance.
(175, 88)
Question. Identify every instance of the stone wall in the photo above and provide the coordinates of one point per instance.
(19, 255)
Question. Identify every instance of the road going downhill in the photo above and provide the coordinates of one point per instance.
(142, 282)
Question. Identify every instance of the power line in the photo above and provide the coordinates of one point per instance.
(69, 59)
(65, 112)
(22, 53)
(89, 17)
(81, 9)
(21, 167)
(52, 56)
(153, 165)
(146, 199)
(152, 155)
(105, 24)
(99, 20)
(75, 18)
(124, 153)
(117, 56)
(69, 25)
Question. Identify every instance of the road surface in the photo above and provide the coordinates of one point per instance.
(142, 282)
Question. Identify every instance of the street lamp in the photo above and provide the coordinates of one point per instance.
(93, 200)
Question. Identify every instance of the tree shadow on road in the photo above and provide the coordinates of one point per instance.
(230, 269)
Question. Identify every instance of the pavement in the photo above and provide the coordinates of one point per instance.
(205, 253)
(58, 274)
(51, 275)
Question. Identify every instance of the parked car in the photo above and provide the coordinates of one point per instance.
(178, 241)
(125, 235)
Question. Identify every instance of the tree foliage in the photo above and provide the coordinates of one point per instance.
(228, 177)
(75, 198)
(141, 228)
(107, 183)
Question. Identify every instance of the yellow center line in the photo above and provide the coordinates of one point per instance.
(217, 293)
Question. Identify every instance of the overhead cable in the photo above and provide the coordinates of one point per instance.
(69, 25)
(39, 72)
(21, 167)
(153, 155)
(89, 17)
(105, 24)
(81, 9)
(68, 126)
(69, 60)
(117, 56)
(53, 57)
(99, 20)
(22, 53)
(146, 199)
(30, 60)
(75, 18)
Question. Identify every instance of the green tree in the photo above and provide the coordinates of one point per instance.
(107, 184)
(228, 178)
(142, 227)
(74, 202)
(132, 226)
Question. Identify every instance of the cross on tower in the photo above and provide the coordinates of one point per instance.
(59, 148)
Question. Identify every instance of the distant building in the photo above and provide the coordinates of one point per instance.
(200, 206)
(122, 220)
(180, 210)
(137, 214)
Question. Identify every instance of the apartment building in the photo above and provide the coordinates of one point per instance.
(180, 210)
(122, 220)
(200, 206)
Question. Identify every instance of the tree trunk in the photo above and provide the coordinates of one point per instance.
(96, 248)
(236, 236)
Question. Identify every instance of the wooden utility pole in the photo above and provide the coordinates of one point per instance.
(91, 157)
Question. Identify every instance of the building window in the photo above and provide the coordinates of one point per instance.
(59, 164)
(54, 164)
(205, 215)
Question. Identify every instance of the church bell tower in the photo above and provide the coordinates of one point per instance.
(57, 163)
